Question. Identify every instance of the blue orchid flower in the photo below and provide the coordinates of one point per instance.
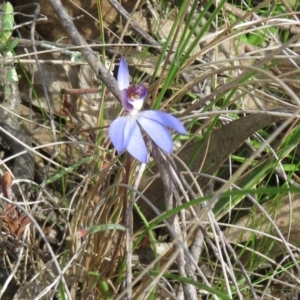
(125, 132)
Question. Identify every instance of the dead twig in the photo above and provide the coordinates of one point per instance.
(102, 73)
(79, 91)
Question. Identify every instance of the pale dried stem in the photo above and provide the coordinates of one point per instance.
(129, 230)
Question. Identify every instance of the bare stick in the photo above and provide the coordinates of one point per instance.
(79, 91)
(68, 25)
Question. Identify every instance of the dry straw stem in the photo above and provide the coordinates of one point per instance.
(232, 234)
(49, 248)
(129, 230)
(235, 82)
(211, 157)
(49, 106)
(252, 121)
(102, 213)
(169, 187)
(164, 267)
(197, 236)
(133, 24)
(211, 203)
(294, 29)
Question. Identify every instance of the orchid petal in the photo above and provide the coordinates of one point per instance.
(158, 133)
(116, 133)
(125, 101)
(165, 119)
(133, 140)
(123, 75)
(125, 132)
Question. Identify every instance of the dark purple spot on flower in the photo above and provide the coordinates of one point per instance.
(137, 92)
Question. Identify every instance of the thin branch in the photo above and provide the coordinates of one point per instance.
(120, 9)
(102, 73)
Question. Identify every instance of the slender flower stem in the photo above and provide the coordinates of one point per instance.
(123, 216)
(129, 232)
